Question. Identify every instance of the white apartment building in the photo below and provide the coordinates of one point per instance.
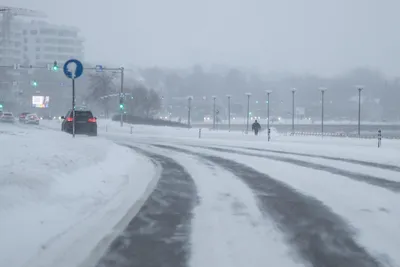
(11, 50)
(40, 43)
(44, 43)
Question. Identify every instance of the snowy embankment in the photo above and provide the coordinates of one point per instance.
(353, 148)
(59, 197)
(257, 197)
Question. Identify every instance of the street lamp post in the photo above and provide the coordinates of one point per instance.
(359, 88)
(214, 117)
(190, 98)
(322, 89)
(229, 112)
(293, 92)
(268, 93)
(122, 93)
(248, 111)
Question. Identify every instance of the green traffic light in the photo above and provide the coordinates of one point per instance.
(55, 68)
(34, 83)
(121, 106)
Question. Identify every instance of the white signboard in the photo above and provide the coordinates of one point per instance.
(40, 101)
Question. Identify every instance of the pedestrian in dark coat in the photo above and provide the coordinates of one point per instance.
(256, 127)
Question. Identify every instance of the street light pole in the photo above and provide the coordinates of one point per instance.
(268, 93)
(214, 98)
(322, 89)
(293, 92)
(122, 96)
(359, 88)
(189, 108)
(248, 111)
(229, 112)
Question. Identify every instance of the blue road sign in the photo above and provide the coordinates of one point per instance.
(99, 68)
(73, 68)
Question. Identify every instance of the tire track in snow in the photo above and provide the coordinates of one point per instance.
(354, 161)
(317, 234)
(373, 180)
(159, 234)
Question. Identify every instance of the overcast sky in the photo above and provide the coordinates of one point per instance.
(306, 36)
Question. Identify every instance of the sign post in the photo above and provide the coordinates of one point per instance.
(379, 138)
(73, 69)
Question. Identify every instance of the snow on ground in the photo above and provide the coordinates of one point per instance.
(371, 210)
(228, 228)
(59, 197)
(353, 148)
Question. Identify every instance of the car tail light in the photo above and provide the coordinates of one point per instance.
(70, 119)
(92, 120)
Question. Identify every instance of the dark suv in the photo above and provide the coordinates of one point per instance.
(85, 122)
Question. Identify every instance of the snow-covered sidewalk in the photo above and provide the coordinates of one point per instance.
(59, 197)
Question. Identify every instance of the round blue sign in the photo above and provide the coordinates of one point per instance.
(73, 68)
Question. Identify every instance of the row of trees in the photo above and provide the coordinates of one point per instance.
(381, 94)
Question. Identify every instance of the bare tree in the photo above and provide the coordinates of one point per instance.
(153, 103)
(144, 102)
(100, 87)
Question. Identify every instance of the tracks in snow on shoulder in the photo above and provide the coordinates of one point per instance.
(355, 161)
(318, 235)
(159, 234)
(370, 179)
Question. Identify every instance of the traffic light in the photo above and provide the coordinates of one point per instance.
(34, 83)
(1, 106)
(121, 106)
(55, 66)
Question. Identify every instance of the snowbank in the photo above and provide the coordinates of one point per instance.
(60, 196)
(354, 148)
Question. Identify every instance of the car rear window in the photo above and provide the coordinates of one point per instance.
(83, 114)
(7, 114)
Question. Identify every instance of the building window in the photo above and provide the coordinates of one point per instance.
(50, 49)
(37, 49)
(25, 32)
(67, 33)
(48, 31)
(37, 56)
(34, 32)
(25, 40)
(37, 40)
(65, 50)
(25, 48)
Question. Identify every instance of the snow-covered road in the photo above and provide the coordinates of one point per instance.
(229, 199)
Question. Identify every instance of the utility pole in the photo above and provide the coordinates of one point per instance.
(122, 96)
(268, 93)
(214, 110)
(248, 112)
(229, 112)
(359, 88)
(189, 108)
(322, 89)
(293, 111)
